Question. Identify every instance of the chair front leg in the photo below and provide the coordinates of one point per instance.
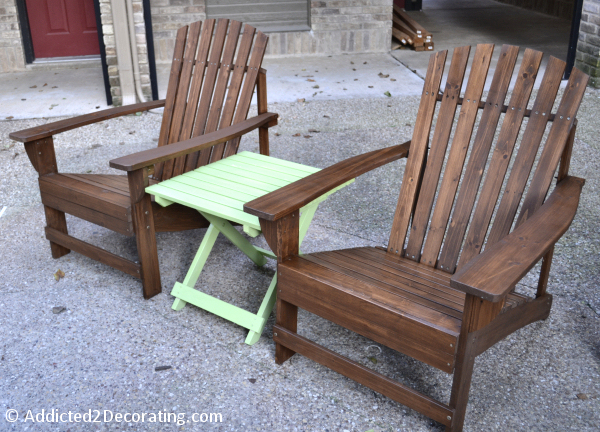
(145, 235)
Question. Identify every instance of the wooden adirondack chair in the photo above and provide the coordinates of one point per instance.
(205, 113)
(433, 294)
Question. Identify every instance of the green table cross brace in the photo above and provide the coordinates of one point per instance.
(219, 191)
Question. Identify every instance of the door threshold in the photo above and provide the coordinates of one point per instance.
(74, 62)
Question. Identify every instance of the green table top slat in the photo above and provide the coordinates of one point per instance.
(242, 176)
(275, 161)
(183, 185)
(199, 203)
(274, 167)
(215, 189)
(233, 177)
(228, 184)
(267, 173)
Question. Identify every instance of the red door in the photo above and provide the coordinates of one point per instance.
(62, 28)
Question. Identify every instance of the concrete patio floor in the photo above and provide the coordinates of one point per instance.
(101, 353)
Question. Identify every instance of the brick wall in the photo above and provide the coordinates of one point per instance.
(111, 52)
(338, 26)
(11, 48)
(588, 46)
(557, 8)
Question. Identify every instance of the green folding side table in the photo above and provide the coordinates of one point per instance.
(219, 191)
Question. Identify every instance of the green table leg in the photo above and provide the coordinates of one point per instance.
(198, 263)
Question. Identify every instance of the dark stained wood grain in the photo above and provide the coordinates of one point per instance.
(530, 142)
(414, 164)
(492, 274)
(436, 155)
(457, 154)
(477, 160)
(261, 99)
(93, 252)
(49, 129)
(290, 198)
(501, 156)
(374, 380)
(153, 156)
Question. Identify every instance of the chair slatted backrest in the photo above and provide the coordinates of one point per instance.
(448, 231)
(213, 75)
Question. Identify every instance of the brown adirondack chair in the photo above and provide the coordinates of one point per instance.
(433, 294)
(205, 113)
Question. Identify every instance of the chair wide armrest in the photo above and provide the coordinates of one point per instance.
(492, 274)
(294, 196)
(49, 129)
(146, 158)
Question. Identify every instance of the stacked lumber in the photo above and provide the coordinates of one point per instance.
(410, 33)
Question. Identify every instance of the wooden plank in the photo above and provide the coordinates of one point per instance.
(177, 217)
(435, 159)
(528, 149)
(258, 52)
(501, 155)
(218, 99)
(103, 182)
(194, 96)
(381, 323)
(494, 273)
(216, 189)
(457, 155)
(298, 194)
(479, 155)
(93, 252)
(222, 179)
(286, 175)
(112, 223)
(209, 85)
(418, 149)
(53, 128)
(235, 84)
(115, 205)
(555, 144)
(275, 161)
(389, 281)
(163, 138)
(262, 107)
(181, 101)
(145, 236)
(374, 380)
(257, 176)
(402, 37)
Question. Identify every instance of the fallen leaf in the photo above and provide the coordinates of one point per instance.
(353, 69)
(314, 94)
(310, 80)
(345, 89)
(301, 100)
(23, 99)
(388, 94)
(315, 86)
(370, 86)
(392, 79)
(33, 86)
(582, 396)
(58, 309)
(54, 86)
(45, 84)
(381, 75)
(15, 155)
(408, 124)
(351, 62)
(297, 134)
(373, 360)
(355, 79)
(162, 368)
(277, 134)
(307, 76)
(307, 136)
(314, 131)
(326, 116)
(98, 107)
(252, 380)
(365, 63)
(131, 132)
(9, 117)
(95, 146)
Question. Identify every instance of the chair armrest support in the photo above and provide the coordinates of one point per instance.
(294, 196)
(160, 154)
(49, 129)
(492, 274)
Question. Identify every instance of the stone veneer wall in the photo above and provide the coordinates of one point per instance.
(12, 57)
(111, 52)
(588, 46)
(338, 26)
(557, 8)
